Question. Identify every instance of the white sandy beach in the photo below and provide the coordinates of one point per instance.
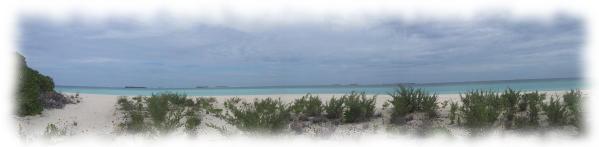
(97, 115)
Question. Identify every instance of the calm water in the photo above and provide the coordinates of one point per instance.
(447, 88)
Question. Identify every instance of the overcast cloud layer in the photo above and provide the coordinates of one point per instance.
(121, 51)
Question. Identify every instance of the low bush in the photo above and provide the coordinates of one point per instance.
(480, 109)
(177, 99)
(511, 99)
(358, 107)
(53, 131)
(334, 108)
(192, 122)
(555, 111)
(262, 116)
(308, 105)
(429, 105)
(534, 101)
(409, 100)
(165, 110)
(158, 108)
(136, 123)
(207, 104)
(172, 121)
(572, 103)
(133, 111)
(29, 90)
(124, 104)
(453, 115)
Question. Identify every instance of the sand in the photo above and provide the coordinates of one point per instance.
(97, 115)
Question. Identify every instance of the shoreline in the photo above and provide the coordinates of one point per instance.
(97, 114)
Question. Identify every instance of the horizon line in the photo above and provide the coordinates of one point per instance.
(326, 85)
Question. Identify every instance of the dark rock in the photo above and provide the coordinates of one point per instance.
(316, 119)
(54, 100)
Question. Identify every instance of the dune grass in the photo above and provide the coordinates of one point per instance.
(477, 111)
(334, 108)
(263, 116)
(308, 105)
(358, 107)
(406, 100)
(163, 113)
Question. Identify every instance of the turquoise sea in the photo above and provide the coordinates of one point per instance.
(440, 88)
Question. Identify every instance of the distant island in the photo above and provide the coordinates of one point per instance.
(134, 87)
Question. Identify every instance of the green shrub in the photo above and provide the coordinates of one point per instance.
(572, 103)
(172, 121)
(409, 100)
(176, 99)
(158, 108)
(429, 105)
(480, 109)
(208, 105)
(308, 105)
(46, 83)
(28, 92)
(261, 116)
(136, 122)
(405, 100)
(53, 131)
(192, 122)
(133, 111)
(124, 104)
(334, 108)
(453, 108)
(189, 103)
(30, 85)
(167, 112)
(511, 100)
(556, 113)
(534, 101)
(358, 107)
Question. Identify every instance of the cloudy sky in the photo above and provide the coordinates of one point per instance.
(121, 51)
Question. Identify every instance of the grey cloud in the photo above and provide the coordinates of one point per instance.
(123, 52)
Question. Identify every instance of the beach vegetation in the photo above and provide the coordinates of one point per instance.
(511, 99)
(572, 103)
(30, 85)
(158, 108)
(308, 106)
(124, 104)
(133, 113)
(480, 109)
(192, 122)
(408, 100)
(453, 114)
(358, 107)
(172, 121)
(261, 116)
(534, 101)
(177, 99)
(208, 104)
(555, 111)
(136, 124)
(52, 131)
(163, 113)
(334, 108)
(189, 103)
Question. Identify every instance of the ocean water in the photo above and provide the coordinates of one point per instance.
(439, 88)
